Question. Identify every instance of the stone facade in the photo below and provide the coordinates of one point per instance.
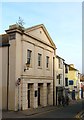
(60, 76)
(32, 74)
(31, 59)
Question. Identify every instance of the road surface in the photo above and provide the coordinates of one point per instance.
(64, 112)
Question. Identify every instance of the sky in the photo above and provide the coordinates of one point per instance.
(63, 21)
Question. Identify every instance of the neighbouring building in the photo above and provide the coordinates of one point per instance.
(60, 76)
(82, 85)
(79, 84)
(73, 82)
(4, 66)
(66, 79)
(28, 68)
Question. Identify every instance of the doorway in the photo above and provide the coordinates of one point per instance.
(48, 92)
(30, 95)
(73, 94)
(40, 93)
(28, 98)
(39, 96)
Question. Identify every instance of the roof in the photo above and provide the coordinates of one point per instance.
(60, 57)
(45, 30)
(66, 64)
(4, 40)
(16, 27)
(72, 68)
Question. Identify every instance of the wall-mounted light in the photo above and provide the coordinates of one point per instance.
(18, 82)
(26, 67)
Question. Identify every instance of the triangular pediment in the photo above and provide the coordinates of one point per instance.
(41, 33)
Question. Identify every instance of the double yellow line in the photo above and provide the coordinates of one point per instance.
(79, 114)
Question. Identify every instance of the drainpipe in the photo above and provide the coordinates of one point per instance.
(53, 79)
(8, 77)
(63, 80)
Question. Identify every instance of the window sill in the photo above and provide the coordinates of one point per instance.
(48, 69)
(60, 68)
(39, 67)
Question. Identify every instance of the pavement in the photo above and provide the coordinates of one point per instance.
(31, 111)
(28, 112)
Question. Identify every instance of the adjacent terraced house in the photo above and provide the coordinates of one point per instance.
(74, 82)
(60, 76)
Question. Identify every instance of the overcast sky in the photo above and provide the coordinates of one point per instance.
(63, 21)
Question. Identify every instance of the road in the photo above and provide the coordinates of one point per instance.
(64, 112)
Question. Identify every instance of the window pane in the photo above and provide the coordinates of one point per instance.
(66, 81)
(60, 76)
(59, 81)
(59, 63)
(29, 56)
(39, 59)
(28, 60)
(66, 69)
(47, 61)
(71, 82)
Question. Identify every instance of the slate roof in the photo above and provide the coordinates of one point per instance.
(4, 40)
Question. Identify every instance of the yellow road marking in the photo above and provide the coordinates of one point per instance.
(79, 114)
